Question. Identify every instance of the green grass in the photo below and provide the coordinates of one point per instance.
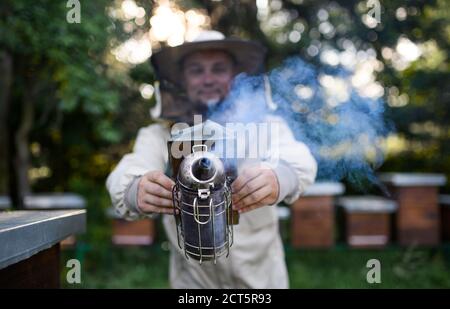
(107, 266)
(346, 268)
(126, 267)
(134, 267)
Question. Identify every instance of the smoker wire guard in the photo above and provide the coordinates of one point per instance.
(228, 230)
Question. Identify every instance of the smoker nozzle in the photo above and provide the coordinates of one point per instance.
(203, 169)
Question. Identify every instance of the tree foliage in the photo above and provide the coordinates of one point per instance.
(69, 110)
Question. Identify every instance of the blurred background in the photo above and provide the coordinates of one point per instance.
(73, 96)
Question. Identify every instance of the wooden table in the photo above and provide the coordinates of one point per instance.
(29, 246)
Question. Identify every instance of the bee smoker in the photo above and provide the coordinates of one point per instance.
(202, 196)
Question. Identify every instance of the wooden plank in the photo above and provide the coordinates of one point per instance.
(25, 233)
(42, 270)
(418, 217)
(313, 222)
(139, 232)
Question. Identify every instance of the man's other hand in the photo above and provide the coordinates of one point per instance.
(256, 186)
(155, 193)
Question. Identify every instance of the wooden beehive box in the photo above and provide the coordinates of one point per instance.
(141, 232)
(312, 224)
(418, 217)
(367, 220)
(444, 201)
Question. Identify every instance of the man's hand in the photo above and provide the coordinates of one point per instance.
(155, 193)
(256, 186)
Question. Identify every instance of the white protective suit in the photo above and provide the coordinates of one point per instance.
(256, 258)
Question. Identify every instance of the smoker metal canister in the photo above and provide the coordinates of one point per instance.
(203, 199)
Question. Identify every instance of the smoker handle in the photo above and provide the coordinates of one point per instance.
(204, 147)
(197, 212)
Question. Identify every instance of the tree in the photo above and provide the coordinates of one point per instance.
(52, 69)
(416, 92)
(67, 104)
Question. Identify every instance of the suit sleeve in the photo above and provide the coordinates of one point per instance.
(294, 166)
(149, 154)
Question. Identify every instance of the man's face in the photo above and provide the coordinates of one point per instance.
(207, 76)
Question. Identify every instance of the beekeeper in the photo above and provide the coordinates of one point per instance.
(204, 69)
